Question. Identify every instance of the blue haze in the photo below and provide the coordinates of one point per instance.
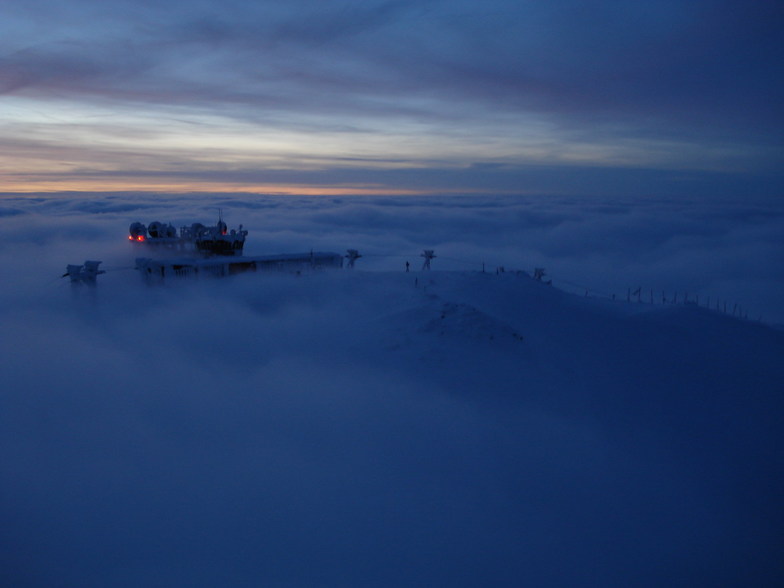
(356, 428)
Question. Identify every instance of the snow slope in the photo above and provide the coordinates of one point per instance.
(359, 428)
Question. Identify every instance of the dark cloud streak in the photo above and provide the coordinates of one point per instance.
(716, 63)
(688, 86)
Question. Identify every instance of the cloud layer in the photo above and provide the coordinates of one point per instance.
(361, 428)
(704, 247)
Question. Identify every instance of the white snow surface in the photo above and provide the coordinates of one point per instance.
(376, 428)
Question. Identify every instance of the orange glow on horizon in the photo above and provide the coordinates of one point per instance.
(31, 185)
(134, 185)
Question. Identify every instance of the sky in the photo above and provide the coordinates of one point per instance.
(375, 427)
(603, 98)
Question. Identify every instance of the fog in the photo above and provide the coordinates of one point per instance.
(381, 428)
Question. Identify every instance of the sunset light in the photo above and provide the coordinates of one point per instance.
(431, 99)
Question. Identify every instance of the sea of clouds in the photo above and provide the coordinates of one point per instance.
(731, 252)
(352, 429)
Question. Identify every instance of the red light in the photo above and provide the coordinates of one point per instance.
(140, 238)
(130, 237)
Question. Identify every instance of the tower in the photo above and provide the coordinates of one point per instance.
(352, 256)
(428, 254)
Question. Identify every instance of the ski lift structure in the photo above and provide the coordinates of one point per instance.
(85, 273)
(429, 255)
(352, 255)
(539, 274)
